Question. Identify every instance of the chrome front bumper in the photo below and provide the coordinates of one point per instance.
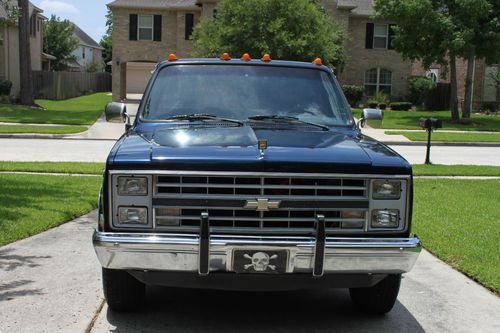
(181, 252)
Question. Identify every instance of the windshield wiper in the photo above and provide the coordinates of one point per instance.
(287, 119)
(203, 116)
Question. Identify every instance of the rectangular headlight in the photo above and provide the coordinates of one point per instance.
(386, 218)
(386, 189)
(132, 186)
(132, 215)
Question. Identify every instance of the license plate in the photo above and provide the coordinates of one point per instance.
(260, 261)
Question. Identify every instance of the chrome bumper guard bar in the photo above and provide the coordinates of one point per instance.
(204, 252)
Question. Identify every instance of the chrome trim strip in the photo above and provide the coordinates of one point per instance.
(258, 174)
(180, 252)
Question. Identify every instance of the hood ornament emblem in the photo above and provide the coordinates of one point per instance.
(262, 205)
(262, 146)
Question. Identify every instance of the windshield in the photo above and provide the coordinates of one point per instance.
(240, 92)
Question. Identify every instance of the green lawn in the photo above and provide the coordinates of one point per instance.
(31, 204)
(409, 120)
(97, 168)
(54, 167)
(459, 221)
(448, 136)
(75, 111)
(455, 170)
(9, 129)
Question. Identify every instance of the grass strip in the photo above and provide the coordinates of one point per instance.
(449, 137)
(97, 168)
(455, 170)
(30, 204)
(459, 222)
(82, 110)
(32, 129)
(54, 167)
(409, 120)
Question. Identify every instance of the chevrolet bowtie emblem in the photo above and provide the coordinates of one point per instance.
(262, 205)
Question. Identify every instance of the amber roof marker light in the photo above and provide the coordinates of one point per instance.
(225, 56)
(172, 57)
(266, 58)
(246, 57)
(318, 61)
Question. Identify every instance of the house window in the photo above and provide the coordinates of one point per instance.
(83, 52)
(145, 27)
(33, 25)
(189, 23)
(380, 36)
(378, 80)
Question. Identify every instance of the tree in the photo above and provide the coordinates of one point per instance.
(479, 20)
(106, 40)
(12, 13)
(440, 31)
(59, 41)
(26, 74)
(286, 29)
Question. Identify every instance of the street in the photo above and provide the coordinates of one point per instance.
(97, 151)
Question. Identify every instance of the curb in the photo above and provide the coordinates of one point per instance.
(388, 143)
(49, 137)
(441, 143)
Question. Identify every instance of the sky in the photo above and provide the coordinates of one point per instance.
(89, 15)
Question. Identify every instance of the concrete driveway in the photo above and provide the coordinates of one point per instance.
(51, 283)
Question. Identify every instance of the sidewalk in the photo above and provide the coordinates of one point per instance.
(51, 282)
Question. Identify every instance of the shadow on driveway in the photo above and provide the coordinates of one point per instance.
(190, 310)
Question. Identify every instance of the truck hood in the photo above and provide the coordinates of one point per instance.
(236, 149)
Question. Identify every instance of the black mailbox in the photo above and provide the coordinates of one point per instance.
(430, 123)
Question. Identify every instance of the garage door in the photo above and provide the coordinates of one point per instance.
(138, 74)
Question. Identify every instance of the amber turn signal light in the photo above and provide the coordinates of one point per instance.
(172, 57)
(318, 61)
(225, 56)
(266, 57)
(246, 57)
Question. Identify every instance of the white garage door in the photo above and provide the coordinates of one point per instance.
(138, 74)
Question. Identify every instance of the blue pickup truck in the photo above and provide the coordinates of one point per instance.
(252, 175)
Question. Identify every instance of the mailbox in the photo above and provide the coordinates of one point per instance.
(430, 123)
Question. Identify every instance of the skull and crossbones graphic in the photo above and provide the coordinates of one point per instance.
(260, 261)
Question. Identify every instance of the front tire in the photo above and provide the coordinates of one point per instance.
(378, 299)
(122, 291)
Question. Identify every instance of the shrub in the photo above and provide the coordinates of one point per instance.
(400, 106)
(372, 104)
(488, 106)
(353, 94)
(5, 87)
(382, 106)
(419, 87)
(4, 99)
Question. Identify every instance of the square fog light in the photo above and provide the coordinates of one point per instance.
(387, 218)
(132, 215)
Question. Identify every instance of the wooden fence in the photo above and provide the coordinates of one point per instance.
(63, 85)
(439, 97)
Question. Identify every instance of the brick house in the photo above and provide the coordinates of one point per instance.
(145, 32)
(9, 48)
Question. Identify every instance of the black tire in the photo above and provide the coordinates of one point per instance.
(122, 291)
(378, 299)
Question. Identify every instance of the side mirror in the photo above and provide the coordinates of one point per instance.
(367, 114)
(116, 111)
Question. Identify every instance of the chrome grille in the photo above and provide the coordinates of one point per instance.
(261, 186)
(180, 199)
